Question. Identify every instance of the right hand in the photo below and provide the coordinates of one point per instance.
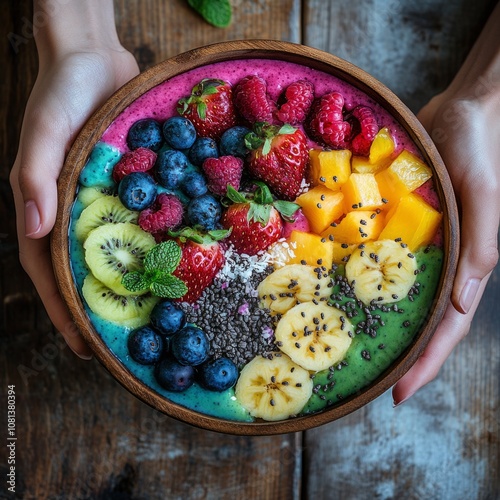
(67, 91)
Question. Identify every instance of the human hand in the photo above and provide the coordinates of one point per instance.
(68, 89)
(465, 128)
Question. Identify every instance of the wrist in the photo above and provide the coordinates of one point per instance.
(79, 26)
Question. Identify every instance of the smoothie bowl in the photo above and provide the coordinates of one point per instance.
(255, 237)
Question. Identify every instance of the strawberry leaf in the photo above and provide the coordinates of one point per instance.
(263, 195)
(286, 129)
(164, 257)
(253, 141)
(135, 281)
(267, 146)
(259, 213)
(201, 109)
(219, 234)
(286, 208)
(168, 287)
(234, 196)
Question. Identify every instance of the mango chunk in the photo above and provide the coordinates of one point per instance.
(362, 165)
(413, 220)
(329, 168)
(358, 226)
(321, 206)
(405, 174)
(361, 192)
(382, 146)
(311, 249)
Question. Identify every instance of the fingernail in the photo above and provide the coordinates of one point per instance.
(468, 294)
(82, 356)
(32, 223)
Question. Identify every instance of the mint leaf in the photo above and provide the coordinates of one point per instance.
(164, 257)
(168, 287)
(216, 12)
(135, 281)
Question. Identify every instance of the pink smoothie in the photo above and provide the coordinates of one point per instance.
(161, 101)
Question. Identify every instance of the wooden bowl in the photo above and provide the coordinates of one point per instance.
(227, 51)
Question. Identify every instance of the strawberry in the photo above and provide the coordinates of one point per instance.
(327, 124)
(252, 101)
(223, 171)
(210, 108)
(254, 219)
(279, 158)
(368, 130)
(139, 160)
(297, 100)
(202, 258)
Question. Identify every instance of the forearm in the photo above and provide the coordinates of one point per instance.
(74, 26)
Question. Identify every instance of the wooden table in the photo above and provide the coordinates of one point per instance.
(81, 435)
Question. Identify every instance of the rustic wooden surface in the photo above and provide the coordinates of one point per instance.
(81, 435)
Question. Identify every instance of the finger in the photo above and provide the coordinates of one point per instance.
(452, 329)
(478, 252)
(35, 257)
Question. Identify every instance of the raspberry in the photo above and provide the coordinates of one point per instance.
(165, 213)
(223, 171)
(369, 127)
(139, 160)
(252, 101)
(298, 98)
(327, 123)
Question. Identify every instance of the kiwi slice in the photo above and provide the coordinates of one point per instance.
(113, 250)
(87, 195)
(130, 311)
(104, 210)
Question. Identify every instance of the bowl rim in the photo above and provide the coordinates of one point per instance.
(226, 51)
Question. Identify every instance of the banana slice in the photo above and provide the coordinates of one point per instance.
(273, 389)
(291, 284)
(382, 272)
(314, 335)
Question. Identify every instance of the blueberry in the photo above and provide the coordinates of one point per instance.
(137, 191)
(232, 142)
(203, 148)
(179, 132)
(145, 133)
(190, 346)
(173, 376)
(167, 317)
(145, 346)
(218, 374)
(171, 168)
(194, 184)
(204, 211)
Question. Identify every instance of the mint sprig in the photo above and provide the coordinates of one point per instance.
(216, 12)
(159, 264)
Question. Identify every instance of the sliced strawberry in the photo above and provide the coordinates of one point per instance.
(368, 128)
(202, 258)
(326, 124)
(279, 158)
(254, 219)
(223, 171)
(210, 108)
(252, 101)
(297, 100)
(139, 160)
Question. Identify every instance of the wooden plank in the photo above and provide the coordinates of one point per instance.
(442, 443)
(81, 435)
